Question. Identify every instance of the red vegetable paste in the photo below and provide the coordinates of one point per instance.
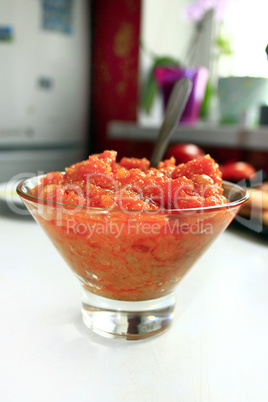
(138, 245)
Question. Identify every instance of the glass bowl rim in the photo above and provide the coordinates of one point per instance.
(231, 204)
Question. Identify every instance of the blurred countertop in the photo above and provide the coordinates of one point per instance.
(216, 349)
(202, 133)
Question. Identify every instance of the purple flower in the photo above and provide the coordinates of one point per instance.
(197, 10)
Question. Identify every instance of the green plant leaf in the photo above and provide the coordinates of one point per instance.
(206, 101)
(166, 61)
(224, 45)
(149, 92)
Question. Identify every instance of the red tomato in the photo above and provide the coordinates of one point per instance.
(236, 171)
(184, 153)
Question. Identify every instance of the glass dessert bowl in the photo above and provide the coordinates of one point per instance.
(129, 262)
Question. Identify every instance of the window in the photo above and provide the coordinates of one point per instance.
(245, 25)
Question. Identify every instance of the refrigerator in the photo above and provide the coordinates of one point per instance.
(44, 85)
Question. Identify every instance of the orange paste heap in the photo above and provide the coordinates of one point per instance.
(132, 184)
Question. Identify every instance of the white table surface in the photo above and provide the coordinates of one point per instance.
(216, 349)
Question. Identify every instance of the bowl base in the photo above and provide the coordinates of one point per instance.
(126, 320)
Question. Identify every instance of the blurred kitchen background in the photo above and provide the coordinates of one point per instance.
(79, 76)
